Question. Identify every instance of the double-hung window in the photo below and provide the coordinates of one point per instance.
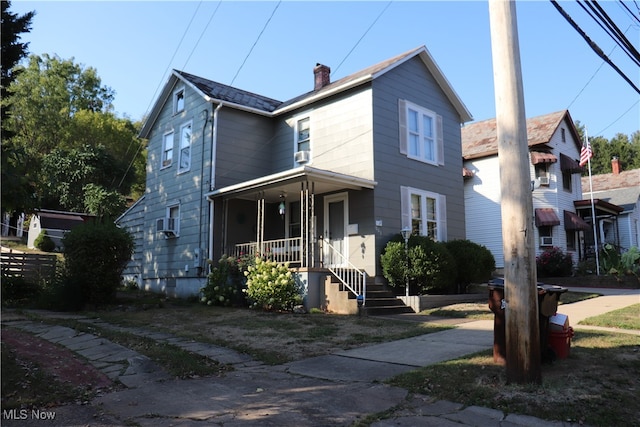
(424, 212)
(185, 148)
(167, 149)
(303, 134)
(421, 133)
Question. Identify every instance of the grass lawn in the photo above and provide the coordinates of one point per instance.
(625, 318)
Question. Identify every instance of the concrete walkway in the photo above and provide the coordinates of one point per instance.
(334, 390)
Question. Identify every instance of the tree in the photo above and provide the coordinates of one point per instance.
(76, 176)
(16, 190)
(64, 127)
(47, 94)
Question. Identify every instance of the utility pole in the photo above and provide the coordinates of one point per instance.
(521, 313)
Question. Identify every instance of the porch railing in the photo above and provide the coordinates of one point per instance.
(279, 250)
(348, 274)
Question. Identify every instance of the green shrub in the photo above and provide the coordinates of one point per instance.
(17, 291)
(431, 267)
(44, 242)
(61, 293)
(272, 286)
(225, 284)
(613, 262)
(95, 256)
(554, 263)
(474, 263)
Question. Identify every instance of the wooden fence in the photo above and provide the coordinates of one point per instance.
(32, 267)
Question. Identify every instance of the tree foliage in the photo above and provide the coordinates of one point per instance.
(625, 147)
(95, 255)
(65, 130)
(16, 188)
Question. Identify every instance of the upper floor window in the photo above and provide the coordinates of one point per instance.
(185, 148)
(563, 135)
(421, 133)
(178, 101)
(303, 134)
(542, 173)
(167, 150)
(424, 212)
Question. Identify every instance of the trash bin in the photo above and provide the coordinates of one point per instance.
(560, 334)
(548, 298)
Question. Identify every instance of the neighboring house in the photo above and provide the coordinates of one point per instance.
(621, 189)
(55, 224)
(322, 181)
(554, 147)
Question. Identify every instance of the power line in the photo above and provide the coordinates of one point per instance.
(256, 42)
(620, 2)
(363, 35)
(593, 45)
(612, 30)
(202, 34)
(621, 116)
(593, 75)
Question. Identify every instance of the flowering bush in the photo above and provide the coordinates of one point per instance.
(272, 286)
(225, 283)
(554, 263)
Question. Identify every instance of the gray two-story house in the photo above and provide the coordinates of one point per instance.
(321, 181)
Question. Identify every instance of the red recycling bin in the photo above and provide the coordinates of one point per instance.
(560, 334)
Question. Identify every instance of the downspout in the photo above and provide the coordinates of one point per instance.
(200, 264)
(214, 143)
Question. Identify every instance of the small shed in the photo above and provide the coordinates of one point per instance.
(55, 224)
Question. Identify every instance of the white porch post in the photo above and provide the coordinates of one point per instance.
(260, 225)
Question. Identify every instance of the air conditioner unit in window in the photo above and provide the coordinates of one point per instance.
(544, 180)
(546, 241)
(167, 226)
(301, 156)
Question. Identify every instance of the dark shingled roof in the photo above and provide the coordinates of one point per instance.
(226, 93)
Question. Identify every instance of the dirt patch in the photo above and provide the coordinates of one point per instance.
(57, 361)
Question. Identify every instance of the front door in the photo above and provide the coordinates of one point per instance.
(336, 214)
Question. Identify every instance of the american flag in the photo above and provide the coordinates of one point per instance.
(585, 153)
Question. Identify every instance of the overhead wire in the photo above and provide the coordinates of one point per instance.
(631, 14)
(605, 22)
(255, 42)
(593, 45)
(621, 116)
(363, 36)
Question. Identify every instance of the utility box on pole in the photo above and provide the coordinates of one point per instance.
(521, 311)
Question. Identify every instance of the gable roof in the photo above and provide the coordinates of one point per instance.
(480, 139)
(622, 189)
(236, 98)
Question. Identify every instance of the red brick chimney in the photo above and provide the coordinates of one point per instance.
(615, 166)
(321, 74)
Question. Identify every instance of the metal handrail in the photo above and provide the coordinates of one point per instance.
(348, 274)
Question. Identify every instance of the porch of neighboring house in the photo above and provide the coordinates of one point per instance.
(606, 225)
(297, 217)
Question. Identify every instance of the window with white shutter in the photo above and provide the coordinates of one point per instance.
(421, 134)
(424, 212)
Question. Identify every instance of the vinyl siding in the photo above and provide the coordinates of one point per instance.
(482, 199)
(412, 81)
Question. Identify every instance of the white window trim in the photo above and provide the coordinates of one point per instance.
(175, 100)
(168, 136)
(180, 148)
(297, 120)
(441, 210)
(403, 115)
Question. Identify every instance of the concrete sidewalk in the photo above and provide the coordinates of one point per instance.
(334, 390)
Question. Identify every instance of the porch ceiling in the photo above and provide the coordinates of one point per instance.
(288, 182)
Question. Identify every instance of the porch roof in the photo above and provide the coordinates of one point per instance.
(272, 186)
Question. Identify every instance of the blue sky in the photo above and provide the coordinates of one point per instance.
(134, 45)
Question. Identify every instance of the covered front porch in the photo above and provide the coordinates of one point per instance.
(299, 217)
(602, 219)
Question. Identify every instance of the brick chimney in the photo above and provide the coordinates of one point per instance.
(321, 74)
(615, 166)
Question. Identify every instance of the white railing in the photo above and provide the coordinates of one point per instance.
(348, 274)
(279, 250)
